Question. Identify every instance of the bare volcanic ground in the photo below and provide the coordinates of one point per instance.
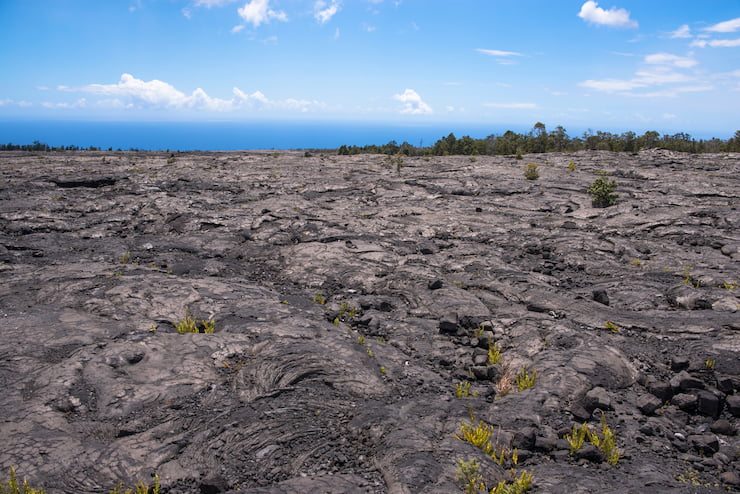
(352, 298)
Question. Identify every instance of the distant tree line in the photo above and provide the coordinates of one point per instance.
(40, 146)
(539, 140)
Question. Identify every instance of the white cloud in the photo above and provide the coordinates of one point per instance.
(591, 12)
(669, 116)
(672, 92)
(80, 103)
(682, 32)
(323, 12)
(412, 103)
(131, 92)
(238, 28)
(668, 59)
(661, 75)
(499, 53)
(516, 106)
(257, 12)
(725, 27)
(187, 13)
(212, 3)
(611, 85)
(716, 43)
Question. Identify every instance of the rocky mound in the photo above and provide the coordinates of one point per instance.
(381, 325)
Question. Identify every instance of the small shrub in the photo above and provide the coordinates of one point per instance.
(732, 285)
(462, 390)
(602, 192)
(12, 486)
(604, 440)
(710, 363)
(477, 435)
(126, 257)
(494, 354)
(346, 309)
(361, 340)
(319, 298)
(531, 172)
(469, 476)
(571, 167)
(524, 379)
(611, 326)
(189, 325)
(520, 485)
(503, 385)
(140, 488)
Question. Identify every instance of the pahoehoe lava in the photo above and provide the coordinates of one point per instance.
(350, 297)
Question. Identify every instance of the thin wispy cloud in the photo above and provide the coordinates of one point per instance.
(499, 53)
(514, 106)
(668, 59)
(323, 11)
(716, 43)
(682, 32)
(212, 3)
(614, 17)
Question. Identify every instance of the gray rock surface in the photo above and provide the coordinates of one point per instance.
(420, 269)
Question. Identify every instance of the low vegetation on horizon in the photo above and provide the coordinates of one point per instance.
(537, 140)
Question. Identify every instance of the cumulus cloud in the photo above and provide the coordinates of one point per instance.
(257, 12)
(725, 27)
(412, 103)
(323, 12)
(130, 92)
(591, 12)
(668, 59)
(682, 32)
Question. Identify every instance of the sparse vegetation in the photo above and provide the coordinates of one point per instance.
(190, 325)
(603, 439)
(12, 486)
(504, 382)
(494, 354)
(462, 390)
(710, 363)
(140, 488)
(571, 167)
(602, 191)
(732, 285)
(611, 326)
(345, 309)
(469, 476)
(524, 379)
(126, 257)
(531, 172)
(319, 298)
(519, 485)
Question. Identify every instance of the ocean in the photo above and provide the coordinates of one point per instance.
(229, 136)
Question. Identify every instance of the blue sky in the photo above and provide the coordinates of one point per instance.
(612, 65)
